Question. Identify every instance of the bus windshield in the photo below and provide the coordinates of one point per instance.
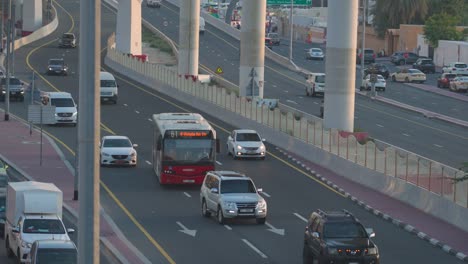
(188, 151)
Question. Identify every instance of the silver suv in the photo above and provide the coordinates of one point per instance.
(230, 194)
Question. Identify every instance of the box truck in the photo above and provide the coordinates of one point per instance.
(33, 212)
(201, 26)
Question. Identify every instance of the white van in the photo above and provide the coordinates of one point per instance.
(65, 107)
(315, 84)
(202, 26)
(109, 91)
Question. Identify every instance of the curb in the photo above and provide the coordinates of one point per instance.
(405, 226)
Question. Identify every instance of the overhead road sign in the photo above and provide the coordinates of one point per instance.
(288, 2)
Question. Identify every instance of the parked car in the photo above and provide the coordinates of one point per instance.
(338, 237)
(153, 3)
(230, 194)
(444, 80)
(456, 67)
(68, 40)
(57, 66)
(369, 56)
(459, 84)
(118, 150)
(377, 68)
(243, 143)
(408, 75)
(16, 89)
(425, 65)
(274, 38)
(53, 251)
(314, 53)
(403, 57)
(380, 83)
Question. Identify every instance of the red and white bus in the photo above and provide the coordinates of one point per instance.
(184, 148)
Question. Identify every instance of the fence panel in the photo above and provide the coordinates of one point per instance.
(424, 172)
(390, 161)
(351, 148)
(370, 155)
(333, 141)
(461, 191)
(413, 169)
(436, 180)
(401, 164)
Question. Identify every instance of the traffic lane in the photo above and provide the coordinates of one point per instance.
(275, 190)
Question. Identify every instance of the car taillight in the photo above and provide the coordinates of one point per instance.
(373, 56)
(454, 69)
(446, 80)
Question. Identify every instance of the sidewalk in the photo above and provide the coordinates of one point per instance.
(21, 151)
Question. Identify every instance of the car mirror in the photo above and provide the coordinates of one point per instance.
(260, 190)
(370, 232)
(315, 234)
(15, 230)
(214, 190)
(6, 167)
(135, 145)
(263, 139)
(70, 230)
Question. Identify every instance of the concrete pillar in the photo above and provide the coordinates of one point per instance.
(252, 52)
(341, 64)
(19, 10)
(128, 32)
(189, 21)
(32, 15)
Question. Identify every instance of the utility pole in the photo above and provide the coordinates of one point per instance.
(363, 44)
(291, 30)
(13, 37)
(89, 119)
(7, 67)
(1, 25)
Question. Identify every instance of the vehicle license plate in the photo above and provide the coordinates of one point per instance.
(353, 263)
(189, 181)
(246, 210)
(251, 151)
(120, 161)
(106, 99)
(58, 71)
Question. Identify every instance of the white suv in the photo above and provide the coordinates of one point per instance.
(230, 194)
(315, 84)
(456, 67)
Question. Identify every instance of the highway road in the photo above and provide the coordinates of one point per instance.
(152, 211)
(434, 139)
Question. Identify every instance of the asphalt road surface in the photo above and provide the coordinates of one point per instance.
(292, 194)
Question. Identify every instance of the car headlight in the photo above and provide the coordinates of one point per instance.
(239, 147)
(56, 115)
(262, 147)
(133, 154)
(25, 244)
(332, 251)
(372, 251)
(4, 92)
(230, 205)
(105, 154)
(50, 68)
(261, 204)
(75, 114)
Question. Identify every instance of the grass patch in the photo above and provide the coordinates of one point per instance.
(155, 42)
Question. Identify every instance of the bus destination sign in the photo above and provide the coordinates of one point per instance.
(188, 134)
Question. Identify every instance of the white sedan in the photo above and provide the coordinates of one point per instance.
(314, 53)
(459, 83)
(118, 150)
(380, 83)
(246, 143)
(408, 75)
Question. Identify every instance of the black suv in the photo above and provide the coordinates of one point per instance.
(403, 57)
(425, 65)
(338, 237)
(16, 89)
(57, 66)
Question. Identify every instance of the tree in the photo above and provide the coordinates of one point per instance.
(464, 168)
(390, 14)
(453, 7)
(441, 27)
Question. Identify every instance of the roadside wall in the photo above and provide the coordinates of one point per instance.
(451, 51)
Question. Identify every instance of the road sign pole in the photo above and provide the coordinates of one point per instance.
(363, 37)
(292, 31)
(40, 155)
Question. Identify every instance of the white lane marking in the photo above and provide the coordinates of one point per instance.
(188, 195)
(149, 163)
(300, 217)
(278, 231)
(439, 146)
(290, 101)
(454, 109)
(406, 135)
(228, 227)
(266, 194)
(434, 103)
(190, 232)
(232, 64)
(125, 104)
(219, 55)
(414, 97)
(225, 59)
(137, 112)
(149, 119)
(219, 163)
(300, 97)
(315, 103)
(274, 85)
(379, 125)
(286, 91)
(254, 248)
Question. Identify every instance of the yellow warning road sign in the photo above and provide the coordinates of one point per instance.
(219, 70)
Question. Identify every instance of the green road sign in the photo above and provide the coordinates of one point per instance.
(288, 2)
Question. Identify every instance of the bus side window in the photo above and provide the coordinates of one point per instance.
(158, 144)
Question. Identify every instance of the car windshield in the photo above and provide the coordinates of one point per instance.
(117, 143)
(320, 79)
(427, 62)
(43, 226)
(55, 62)
(369, 51)
(460, 65)
(56, 256)
(316, 50)
(2, 203)
(62, 102)
(344, 230)
(450, 76)
(68, 36)
(247, 137)
(108, 83)
(414, 71)
(188, 151)
(380, 78)
(13, 81)
(237, 186)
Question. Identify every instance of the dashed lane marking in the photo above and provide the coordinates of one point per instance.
(406, 135)
(300, 217)
(149, 163)
(137, 112)
(187, 194)
(219, 163)
(254, 248)
(379, 125)
(439, 146)
(228, 227)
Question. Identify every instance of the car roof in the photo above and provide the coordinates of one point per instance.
(115, 137)
(106, 75)
(242, 131)
(230, 175)
(336, 216)
(52, 243)
(59, 94)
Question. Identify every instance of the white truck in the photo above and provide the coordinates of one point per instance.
(33, 212)
(201, 26)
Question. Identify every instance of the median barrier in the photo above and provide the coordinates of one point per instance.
(401, 174)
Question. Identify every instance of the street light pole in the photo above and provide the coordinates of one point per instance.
(363, 37)
(7, 67)
(13, 36)
(291, 30)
